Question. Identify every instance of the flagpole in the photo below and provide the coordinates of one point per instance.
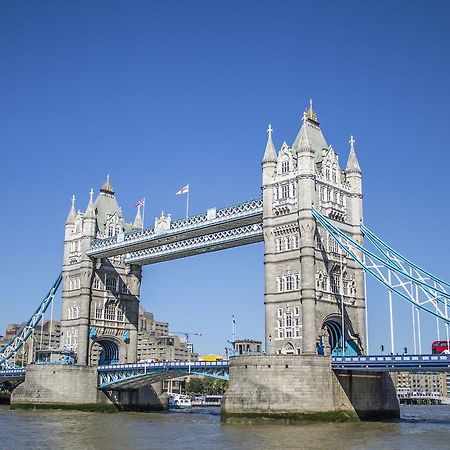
(187, 203)
(143, 214)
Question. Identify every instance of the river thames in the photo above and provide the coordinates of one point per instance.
(421, 427)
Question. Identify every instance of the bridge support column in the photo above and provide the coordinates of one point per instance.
(304, 387)
(75, 387)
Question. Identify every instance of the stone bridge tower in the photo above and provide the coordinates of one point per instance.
(314, 294)
(100, 299)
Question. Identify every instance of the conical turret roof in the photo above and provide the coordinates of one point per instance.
(270, 155)
(352, 163)
(72, 213)
(138, 224)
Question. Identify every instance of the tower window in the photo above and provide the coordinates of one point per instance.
(111, 284)
(285, 191)
(285, 167)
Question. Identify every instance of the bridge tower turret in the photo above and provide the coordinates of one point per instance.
(100, 300)
(314, 294)
(306, 195)
(353, 175)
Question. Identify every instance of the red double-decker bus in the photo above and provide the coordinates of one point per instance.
(440, 347)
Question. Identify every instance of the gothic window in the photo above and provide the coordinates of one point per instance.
(327, 172)
(297, 333)
(288, 243)
(297, 281)
(334, 175)
(125, 289)
(96, 283)
(279, 245)
(110, 231)
(110, 311)
(285, 167)
(120, 315)
(111, 284)
(289, 333)
(321, 282)
(332, 245)
(296, 311)
(285, 191)
(276, 192)
(280, 312)
(289, 283)
(319, 243)
(335, 196)
(279, 284)
(99, 311)
(345, 287)
(288, 320)
(335, 283)
(294, 191)
(322, 193)
(328, 195)
(296, 241)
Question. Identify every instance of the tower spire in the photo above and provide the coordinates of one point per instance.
(138, 224)
(90, 210)
(270, 154)
(352, 163)
(72, 213)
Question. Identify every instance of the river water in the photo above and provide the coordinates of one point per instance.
(421, 427)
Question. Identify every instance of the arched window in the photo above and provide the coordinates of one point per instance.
(327, 171)
(334, 175)
(289, 283)
(111, 284)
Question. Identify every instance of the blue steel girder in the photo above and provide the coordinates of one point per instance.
(426, 293)
(8, 352)
(393, 363)
(132, 376)
(221, 240)
(12, 374)
(212, 221)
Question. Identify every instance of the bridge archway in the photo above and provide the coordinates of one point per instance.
(104, 352)
(332, 339)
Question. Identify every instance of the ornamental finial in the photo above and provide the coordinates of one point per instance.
(270, 130)
(73, 201)
(352, 143)
(91, 195)
(309, 113)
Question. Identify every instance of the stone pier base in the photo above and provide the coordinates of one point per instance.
(296, 388)
(75, 387)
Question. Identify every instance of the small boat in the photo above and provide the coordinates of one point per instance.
(179, 401)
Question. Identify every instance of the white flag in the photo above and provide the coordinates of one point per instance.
(183, 190)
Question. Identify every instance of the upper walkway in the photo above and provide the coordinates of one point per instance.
(215, 229)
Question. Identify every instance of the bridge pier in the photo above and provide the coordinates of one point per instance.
(75, 387)
(304, 387)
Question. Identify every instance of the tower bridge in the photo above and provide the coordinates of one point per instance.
(310, 221)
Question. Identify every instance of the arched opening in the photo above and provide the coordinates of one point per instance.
(104, 352)
(333, 327)
(288, 349)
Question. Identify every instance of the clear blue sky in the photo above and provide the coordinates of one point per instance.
(160, 94)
